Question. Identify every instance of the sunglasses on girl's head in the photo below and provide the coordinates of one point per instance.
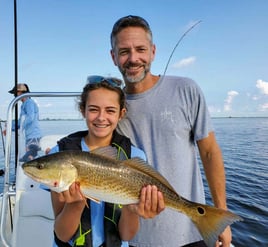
(95, 79)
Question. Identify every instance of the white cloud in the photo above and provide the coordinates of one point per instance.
(263, 107)
(255, 97)
(263, 86)
(214, 109)
(184, 62)
(228, 101)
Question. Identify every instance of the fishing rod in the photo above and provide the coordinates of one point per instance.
(181, 38)
(16, 83)
(2, 172)
(2, 134)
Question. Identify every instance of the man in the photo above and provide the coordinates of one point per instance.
(29, 121)
(167, 116)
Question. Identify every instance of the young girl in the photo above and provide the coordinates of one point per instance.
(102, 104)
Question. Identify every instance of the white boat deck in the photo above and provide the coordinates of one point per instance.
(31, 210)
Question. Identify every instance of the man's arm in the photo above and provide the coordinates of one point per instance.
(212, 160)
(211, 156)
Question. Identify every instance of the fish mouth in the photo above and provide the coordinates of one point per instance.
(57, 185)
(31, 172)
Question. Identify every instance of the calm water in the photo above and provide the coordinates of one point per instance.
(244, 145)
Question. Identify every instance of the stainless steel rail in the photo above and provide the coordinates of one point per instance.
(8, 191)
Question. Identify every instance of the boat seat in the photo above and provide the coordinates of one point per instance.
(34, 219)
(33, 214)
(49, 141)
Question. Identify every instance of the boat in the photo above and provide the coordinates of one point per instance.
(27, 217)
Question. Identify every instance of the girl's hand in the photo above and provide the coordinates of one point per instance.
(72, 195)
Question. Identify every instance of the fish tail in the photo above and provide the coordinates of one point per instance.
(212, 221)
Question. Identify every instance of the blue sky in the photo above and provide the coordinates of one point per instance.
(61, 42)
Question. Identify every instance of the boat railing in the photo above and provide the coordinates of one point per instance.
(8, 191)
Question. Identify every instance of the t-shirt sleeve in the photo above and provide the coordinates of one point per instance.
(136, 152)
(199, 114)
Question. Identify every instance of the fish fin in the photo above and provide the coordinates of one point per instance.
(59, 189)
(141, 165)
(107, 151)
(86, 203)
(93, 199)
(85, 199)
(212, 221)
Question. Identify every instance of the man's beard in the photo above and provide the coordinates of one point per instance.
(137, 78)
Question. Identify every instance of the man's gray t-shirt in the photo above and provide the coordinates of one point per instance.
(165, 122)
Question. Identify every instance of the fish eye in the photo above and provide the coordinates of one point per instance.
(40, 166)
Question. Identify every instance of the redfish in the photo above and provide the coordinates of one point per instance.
(103, 178)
